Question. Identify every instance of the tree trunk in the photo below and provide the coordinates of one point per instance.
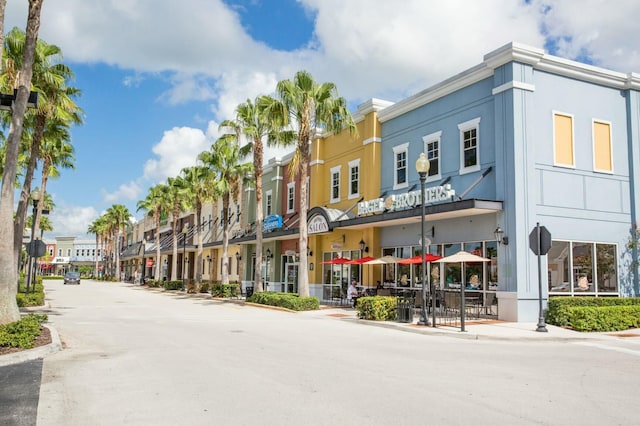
(225, 239)
(257, 167)
(198, 236)
(303, 274)
(8, 271)
(156, 276)
(174, 261)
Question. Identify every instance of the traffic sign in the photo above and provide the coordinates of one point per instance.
(543, 245)
(36, 248)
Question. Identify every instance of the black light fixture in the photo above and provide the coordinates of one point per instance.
(310, 253)
(362, 245)
(185, 231)
(238, 257)
(422, 167)
(499, 236)
(35, 197)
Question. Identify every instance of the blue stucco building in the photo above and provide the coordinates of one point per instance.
(522, 138)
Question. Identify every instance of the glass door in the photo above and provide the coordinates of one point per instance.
(291, 277)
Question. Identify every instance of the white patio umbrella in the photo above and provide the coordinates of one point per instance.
(383, 260)
(462, 257)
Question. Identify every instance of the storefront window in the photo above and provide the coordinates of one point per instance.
(607, 267)
(452, 271)
(582, 267)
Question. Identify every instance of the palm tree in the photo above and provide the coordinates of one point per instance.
(198, 184)
(55, 103)
(225, 161)
(252, 122)
(155, 204)
(178, 202)
(97, 227)
(8, 271)
(307, 106)
(56, 153)
(117, 218)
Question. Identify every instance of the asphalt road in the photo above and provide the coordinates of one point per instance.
(19, 390)
(136, 356)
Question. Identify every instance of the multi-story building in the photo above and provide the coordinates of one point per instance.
(520, 140)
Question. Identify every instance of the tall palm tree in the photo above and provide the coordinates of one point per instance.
(56, 154)
(117, 218)
(97, 227)
(50, 77)
(198, 184)
(307, 106)
(8, 271)
(255, 124)
(225, 160)
(155, 204)
(178, 202)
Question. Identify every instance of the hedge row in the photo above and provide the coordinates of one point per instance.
(594, 313)
(285, 300)
(377, 308)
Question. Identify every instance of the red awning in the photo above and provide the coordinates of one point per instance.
(337, 261)
(418, 259)
(360, 261)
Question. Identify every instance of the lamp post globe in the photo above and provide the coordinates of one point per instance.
(185, 231)
(422, 167)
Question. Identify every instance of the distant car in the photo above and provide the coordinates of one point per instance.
(72, 278)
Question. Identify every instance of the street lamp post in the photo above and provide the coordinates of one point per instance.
(35, 196)
(142, 264)
(422, 167)
(185, 230)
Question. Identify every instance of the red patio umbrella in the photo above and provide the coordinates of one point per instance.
(418, 259)
(360, 261)
(337, 261)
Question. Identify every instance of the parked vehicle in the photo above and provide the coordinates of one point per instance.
(72, 278)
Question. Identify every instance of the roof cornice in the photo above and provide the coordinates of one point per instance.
(514, 52)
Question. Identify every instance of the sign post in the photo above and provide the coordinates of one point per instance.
(540, 243)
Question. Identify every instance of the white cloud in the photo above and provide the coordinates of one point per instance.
(178, 148)
(70, 220)
(126, 191)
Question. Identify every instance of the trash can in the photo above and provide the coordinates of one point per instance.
(249, 291)
(405, 309)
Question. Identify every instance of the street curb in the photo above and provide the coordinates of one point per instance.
(35, 353)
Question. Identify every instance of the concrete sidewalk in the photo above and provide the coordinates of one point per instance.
(480, 329)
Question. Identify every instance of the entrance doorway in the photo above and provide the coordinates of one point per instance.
(291, 277)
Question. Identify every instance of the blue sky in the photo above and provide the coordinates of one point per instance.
(158, 76)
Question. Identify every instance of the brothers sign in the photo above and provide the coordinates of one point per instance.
(405, 201)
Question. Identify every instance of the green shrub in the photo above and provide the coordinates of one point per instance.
(22, 333)
(559, 309)
(225, 290)
(34, 298)
(173, 285)
(604, 318)
(204, 287)
(285, 300)
(377, 308)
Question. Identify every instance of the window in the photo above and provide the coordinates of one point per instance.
(579, 268)
(69, 252)
(432, 150)
(268, 202)
(335, 184)
(209, 220)
(602, 156)
(59, 252)
(354, 179)
(221, 217)
(291, 197)
(469, 146)
(238, 213)
(563, 140)
(400, 166)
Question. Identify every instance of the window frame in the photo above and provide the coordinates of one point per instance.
(401, 149)
(354, 164)
(335, 171)
(428, 139)
(291, 197)
(268, 202)
(555, 142)
(595, 121)
(467, 126)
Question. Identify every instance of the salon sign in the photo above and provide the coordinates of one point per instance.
(405, 201)
(317, 225)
